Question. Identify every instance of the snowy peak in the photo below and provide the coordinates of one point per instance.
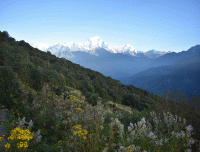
(96, 42)
(157, 52)
(126, 49)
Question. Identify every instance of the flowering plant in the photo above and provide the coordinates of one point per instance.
(18, 139)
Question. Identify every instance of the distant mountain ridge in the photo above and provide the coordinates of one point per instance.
(183, 74)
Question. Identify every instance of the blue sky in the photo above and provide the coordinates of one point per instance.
(145, 24)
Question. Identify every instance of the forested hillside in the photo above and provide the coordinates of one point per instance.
(22, 63)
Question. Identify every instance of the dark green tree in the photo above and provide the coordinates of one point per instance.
(132, 101)
(87, 87)
(92, 98)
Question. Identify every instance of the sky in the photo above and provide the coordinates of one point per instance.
(162, 25)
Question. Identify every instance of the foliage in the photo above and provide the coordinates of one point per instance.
(8, 87)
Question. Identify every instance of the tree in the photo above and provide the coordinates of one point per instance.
(88, 87)
(4, 36)
(132, 100)
(92, 98)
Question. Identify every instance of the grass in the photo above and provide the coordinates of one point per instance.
(59, 124)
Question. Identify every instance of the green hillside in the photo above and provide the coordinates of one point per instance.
(38, 86)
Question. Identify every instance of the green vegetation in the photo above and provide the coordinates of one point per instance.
(71, 108)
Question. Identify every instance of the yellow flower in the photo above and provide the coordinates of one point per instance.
(77, 126)
(84, 137)
(25, 144)
(75, 132)
(60, 142)
(7, 145)
(1, 138)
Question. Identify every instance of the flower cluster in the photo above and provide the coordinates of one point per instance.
(20, 134)
(72, 97)
(80, 132)
(79, 109)
(131, 148)
(119, 125)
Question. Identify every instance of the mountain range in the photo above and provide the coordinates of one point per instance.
(96, 42)
(154, 71)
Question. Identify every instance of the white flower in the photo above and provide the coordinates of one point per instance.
(30, 124)
(143, 120)
(178, 135)
(128, 139)
(189, 128)
(129, 128)
(151, 135)
(121, 147)
(38, 132)
(132, 133)
(131, 125)
(122, 127)
(182, 133)
(140, 123)
(161, 142)
(101, 127)
(143, 126)
(192, 141)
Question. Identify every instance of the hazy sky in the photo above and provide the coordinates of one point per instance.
(145, 24)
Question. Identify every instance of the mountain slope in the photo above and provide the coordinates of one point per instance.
(186, 79)
(172, 58)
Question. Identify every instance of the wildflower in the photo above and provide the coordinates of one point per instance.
(132, 133)
(20, 134)
(131, 125)
(7, 145)
(80, 132)
(143, 120)
(101, 127)
(189, 128)
(192, 141)
(79, 109)
(151, 135)
(60, 142)
(1, 138)
(30, 124)
(37, 136)
(182, 133)
(129, 128)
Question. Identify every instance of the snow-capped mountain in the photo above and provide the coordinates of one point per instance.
(96, 42)
(155, 54)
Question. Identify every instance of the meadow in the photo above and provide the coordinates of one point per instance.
(67, 123)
